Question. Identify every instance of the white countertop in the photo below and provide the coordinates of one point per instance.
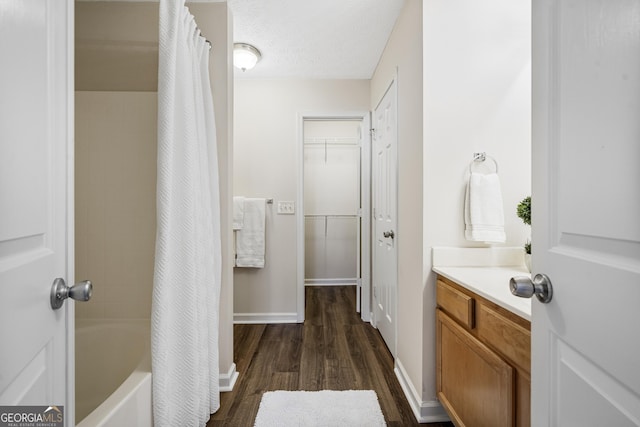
(486, 272)
(491, 283)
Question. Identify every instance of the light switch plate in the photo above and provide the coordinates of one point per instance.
(286, 208)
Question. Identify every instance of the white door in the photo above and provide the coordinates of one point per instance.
(586, 205)
(36, 246)
(385, 263)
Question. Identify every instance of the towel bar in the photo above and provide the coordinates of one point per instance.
(481, 157)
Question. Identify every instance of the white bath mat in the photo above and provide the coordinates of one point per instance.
(324, 408)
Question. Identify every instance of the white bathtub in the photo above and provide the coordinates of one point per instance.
(113, 373)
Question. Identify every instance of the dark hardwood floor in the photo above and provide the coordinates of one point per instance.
(332, 350)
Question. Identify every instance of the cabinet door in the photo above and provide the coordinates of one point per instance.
(474, 384)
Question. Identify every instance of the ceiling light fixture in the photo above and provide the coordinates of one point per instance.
(245, 56)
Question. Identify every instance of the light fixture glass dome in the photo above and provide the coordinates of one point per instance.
(245, 56)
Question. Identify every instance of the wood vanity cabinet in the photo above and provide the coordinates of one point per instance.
(483, 359)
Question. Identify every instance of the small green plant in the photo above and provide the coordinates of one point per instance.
(524, 210)
(524, 213)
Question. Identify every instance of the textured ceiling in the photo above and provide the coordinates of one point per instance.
(332, 39)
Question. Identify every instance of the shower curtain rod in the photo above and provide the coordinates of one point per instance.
(200, 33)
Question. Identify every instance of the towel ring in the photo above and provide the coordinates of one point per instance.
(481, 157)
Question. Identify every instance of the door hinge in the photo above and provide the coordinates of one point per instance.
(372, 132)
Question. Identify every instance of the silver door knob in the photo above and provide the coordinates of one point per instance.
(60, 291)
(540, 286)
(389, 233)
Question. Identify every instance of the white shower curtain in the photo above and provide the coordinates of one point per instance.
(186, 289)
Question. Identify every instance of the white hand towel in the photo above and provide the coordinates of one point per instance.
(483, 209)
(238, 212)
(250, 240)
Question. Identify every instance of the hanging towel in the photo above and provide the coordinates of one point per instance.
(251, 238)
(238, 212)
(483, 209)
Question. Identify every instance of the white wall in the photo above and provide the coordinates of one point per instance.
(266, 157)
(476, 98)
(403, 54)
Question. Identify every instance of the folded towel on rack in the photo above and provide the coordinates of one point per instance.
(483, 209)
(238, 212)
(250, 240)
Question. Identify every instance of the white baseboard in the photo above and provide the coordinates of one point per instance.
(424, 411)
(262, 318)
(228, 380)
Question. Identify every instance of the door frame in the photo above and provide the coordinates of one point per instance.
(70, 313)
(365, 201)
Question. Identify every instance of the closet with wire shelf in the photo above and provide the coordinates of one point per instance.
(332, 202)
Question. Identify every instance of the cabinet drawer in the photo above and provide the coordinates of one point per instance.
(505, 335)
(459, 305)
